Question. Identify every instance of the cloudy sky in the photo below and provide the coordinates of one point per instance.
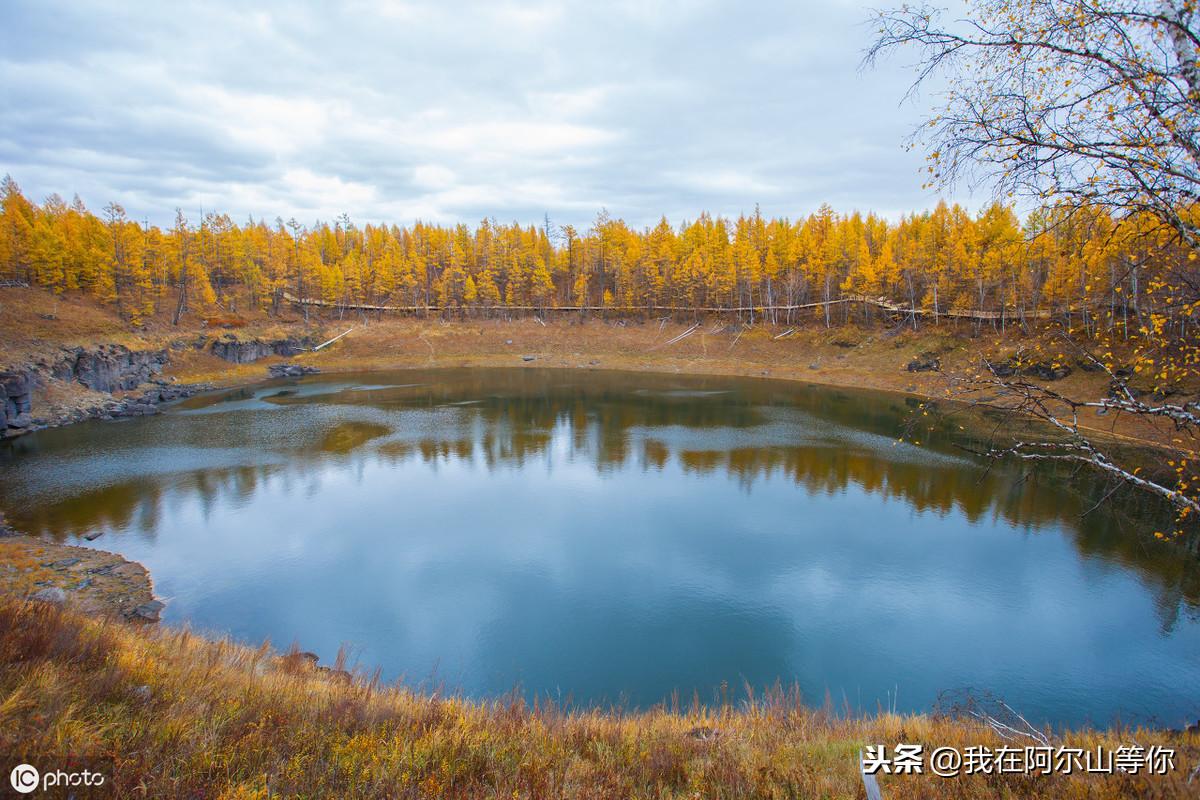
(396, 110)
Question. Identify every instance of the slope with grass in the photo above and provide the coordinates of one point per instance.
(175, 715)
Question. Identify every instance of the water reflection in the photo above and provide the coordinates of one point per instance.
(662, 532)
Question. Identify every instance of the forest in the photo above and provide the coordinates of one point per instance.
(1096, 271)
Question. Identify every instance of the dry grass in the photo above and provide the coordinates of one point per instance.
(185, 717)
(37, 322)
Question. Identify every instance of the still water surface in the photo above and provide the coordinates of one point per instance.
(610, 538)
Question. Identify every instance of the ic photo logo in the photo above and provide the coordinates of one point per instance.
(80, 779)
(24, 778)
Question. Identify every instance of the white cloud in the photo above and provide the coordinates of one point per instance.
(389, 110)
(432, 176)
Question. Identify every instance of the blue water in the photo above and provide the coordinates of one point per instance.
(610, 538)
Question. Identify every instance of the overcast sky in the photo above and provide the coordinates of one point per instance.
(392, 111)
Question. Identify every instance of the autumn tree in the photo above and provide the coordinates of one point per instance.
(1094, 103)
(1082, 106)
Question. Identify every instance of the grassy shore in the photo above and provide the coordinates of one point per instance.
(182, 716)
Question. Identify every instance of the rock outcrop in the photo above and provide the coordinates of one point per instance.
(92, 580)
(16, 400)
(925, 362)
(237, 351)
(108, 368)
(1043, 370)
(116, 368)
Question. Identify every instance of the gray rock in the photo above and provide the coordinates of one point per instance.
(18, 395)
(528, 358)
(291, 370)
(51, 594)
(149, 611)
(337, 674)
(1047, 371)
(230, 349)
(926, 362)
(109, 367)
(1001, 369)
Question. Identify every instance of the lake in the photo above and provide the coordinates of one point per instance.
(611, 538)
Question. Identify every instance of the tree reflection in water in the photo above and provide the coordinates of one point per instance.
(221, 448)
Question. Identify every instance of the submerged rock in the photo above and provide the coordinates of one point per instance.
(291, 370)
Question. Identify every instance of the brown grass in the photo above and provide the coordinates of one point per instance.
(36, 323)
(871, 357)
(181, 716)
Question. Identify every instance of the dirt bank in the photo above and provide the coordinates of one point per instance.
(845, 356)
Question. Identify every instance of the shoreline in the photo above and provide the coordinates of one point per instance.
(188, 382)
(97, 582)
(242, 378)
(146, 401)
(183, 377)
(99, 362)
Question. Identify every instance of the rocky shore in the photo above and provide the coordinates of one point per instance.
(92, 581)
(102, 382)
(120, 382)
